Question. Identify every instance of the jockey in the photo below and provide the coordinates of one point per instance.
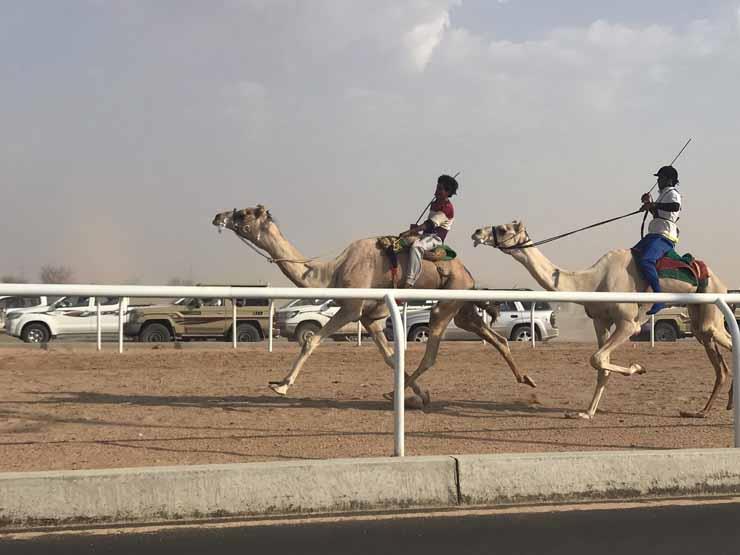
(662, 231)
(434, 229)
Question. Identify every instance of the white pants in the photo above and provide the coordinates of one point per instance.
(416, 253)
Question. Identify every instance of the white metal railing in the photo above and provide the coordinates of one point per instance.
(390, 297)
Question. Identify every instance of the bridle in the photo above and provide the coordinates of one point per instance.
(525, 243)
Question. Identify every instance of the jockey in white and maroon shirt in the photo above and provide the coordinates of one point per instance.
(434, 229)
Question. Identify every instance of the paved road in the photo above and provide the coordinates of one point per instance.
(657, 530)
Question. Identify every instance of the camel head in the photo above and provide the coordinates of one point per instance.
(249, 223)
(505, 236)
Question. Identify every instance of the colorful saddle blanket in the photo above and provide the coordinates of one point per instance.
(684, 268)
(393, 244)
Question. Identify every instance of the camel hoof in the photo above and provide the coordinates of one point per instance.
(414, 402)
(527, 380)
(579, 415)
(637, 369)
(281, 388)
(687, 414)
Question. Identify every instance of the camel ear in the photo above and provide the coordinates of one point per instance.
(259, 210)
(518, 226)
(269, 216)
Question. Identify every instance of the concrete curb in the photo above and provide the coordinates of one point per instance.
(597, 476)
(188, 492)
(140, 495)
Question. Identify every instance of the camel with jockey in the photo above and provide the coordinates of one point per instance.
(617, 271)
(363, 264)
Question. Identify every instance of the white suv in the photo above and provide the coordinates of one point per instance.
(513, 322)
(66, 316)
(302, 318)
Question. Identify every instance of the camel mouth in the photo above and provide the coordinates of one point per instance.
(479, 239)
(221, 221)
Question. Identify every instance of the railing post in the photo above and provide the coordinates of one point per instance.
(652, 330)
(531, 322)
(735, 333)
(359, 333)
(233, 323)
(98, 326)
(121, 301)
(270, 323)
(405, 325)
(400, 382)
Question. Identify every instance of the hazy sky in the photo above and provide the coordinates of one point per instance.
(126, 125)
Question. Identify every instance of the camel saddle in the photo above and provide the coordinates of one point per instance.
(684, 268)
(393, 244)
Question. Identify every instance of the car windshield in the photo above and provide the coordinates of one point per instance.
(306, 302)
(18, 302)
(66, 302)
(539, 305)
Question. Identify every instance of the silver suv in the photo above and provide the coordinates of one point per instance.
(513, 323)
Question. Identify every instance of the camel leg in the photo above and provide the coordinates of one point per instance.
(441, 316)
(601, 327)
(600, 361)
(376, 327)
(720, 377)
(349, 312)
(469, 319)
(707, 325)
(723, 338)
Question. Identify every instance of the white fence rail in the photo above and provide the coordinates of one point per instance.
(390, 297)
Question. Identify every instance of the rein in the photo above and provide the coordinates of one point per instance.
(274, 260)
(528, 244)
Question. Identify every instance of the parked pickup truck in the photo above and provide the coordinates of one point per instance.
(192, 318)
(18, 303)
(67, 316)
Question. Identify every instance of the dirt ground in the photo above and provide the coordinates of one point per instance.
(71, 407)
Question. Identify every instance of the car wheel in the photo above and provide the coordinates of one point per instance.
(35, 333)
(247, 333)
(155, 333)
(306, 330)
(419, 334)
(665, 332)
(524, 333)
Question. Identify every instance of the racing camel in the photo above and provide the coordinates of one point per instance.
(364, 265)
(616, 271)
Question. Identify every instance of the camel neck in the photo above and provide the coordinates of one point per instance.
(550, 276)
(302, 274)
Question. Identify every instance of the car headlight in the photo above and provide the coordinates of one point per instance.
(13, 316)
(288, 315)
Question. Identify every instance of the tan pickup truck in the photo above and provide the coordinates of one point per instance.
(191, 318)
(670, 324)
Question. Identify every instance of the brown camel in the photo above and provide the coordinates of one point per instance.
(362, 264)
(616, 271)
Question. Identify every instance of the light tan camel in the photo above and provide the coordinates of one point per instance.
(363, 264)
(616, 271)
